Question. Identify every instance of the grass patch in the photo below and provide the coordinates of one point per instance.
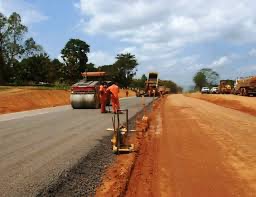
(3, 88)
(37, 87)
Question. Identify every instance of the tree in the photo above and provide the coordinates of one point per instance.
(174, 88)
(144, 78)
(74, 54)
(139, 83)
(12, 44)
(31, 48)
(3, 37)
(125, 69)
(205, 77)
(56, 72)
(33, 70)
(200, 80)
(91, 67)
(212, 77)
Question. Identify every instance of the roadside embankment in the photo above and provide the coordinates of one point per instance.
(117, 177)
(23, 99)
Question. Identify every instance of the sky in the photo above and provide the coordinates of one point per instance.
(174, 38)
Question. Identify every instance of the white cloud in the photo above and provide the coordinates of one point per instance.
(28, 12)
(143, 20)
(101, 58)
(252, 52)
(159, 31)
(222, 61)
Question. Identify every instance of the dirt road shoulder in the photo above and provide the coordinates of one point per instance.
(240, 103)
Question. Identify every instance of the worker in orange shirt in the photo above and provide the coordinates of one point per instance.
(103, 97)
(114, 90)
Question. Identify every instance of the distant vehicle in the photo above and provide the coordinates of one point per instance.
(214, 90)
(151, 85)
(43, 83)
(140, 92)
(245, 86)
(167, 90)
(205, 90)
(226, 86)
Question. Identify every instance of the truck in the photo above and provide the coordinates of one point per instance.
(85, 93)
(167, 90)
(151, 85)
(162, 90)
(226, 86)
(245, 86)
(140, 92)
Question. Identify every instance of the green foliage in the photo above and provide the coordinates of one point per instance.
(31, 48)
(123, 70)
(139, 83)
(144, 78)
(12, 45)
(200, 80)
(174, 88)
(211, 76)
(205, 77)
(33, 70)
(74, 54)
(24, 62)
(56, 72)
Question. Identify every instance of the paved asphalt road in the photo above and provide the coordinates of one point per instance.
(36, 146)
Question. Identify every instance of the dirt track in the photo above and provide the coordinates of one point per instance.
(196, 148)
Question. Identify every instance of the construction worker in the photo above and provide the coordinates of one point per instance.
(127, 92)
(103, 97)
(114, 90)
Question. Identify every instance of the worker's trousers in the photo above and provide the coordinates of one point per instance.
(115, 104)
(103, 104)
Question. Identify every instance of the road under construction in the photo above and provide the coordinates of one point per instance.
(38, 146)
(182, 145)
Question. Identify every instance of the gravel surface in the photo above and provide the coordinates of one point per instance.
(83, 178)
(86, 175)
(36, 148)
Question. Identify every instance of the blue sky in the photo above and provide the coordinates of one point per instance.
(175, 38)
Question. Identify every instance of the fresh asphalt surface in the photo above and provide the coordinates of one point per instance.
(36, 146)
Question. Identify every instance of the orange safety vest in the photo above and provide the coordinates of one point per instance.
(114, 89)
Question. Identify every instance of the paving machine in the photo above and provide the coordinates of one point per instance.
(85, 93)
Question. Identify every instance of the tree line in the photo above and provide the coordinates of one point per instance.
(24, 62)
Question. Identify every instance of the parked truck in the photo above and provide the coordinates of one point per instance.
(151, 85)
(226, 86)
(245, 86)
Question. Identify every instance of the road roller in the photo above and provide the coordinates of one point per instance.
(85, 93)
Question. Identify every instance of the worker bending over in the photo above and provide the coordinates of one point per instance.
(103, 97)
(114, 90)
